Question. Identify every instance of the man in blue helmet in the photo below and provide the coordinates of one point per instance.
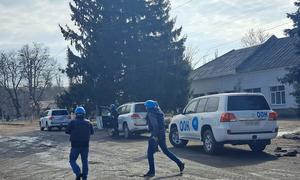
(155, 119)
(80, 130)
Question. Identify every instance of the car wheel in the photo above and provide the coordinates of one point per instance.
(41, 128)
(209, 143)
(48, 127)
(126, 131)
(174, 138)
(257, 147)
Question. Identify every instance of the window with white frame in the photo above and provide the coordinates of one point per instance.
(253, 90)
(277, 95)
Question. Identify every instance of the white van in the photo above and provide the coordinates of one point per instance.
(231, 118)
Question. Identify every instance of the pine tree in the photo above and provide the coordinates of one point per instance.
(160, 71)
(293, 76)
(295, 17)
(94, 73)
(127, 50)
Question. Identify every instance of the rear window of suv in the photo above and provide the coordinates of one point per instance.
(59, 112)
(251, 102)
(140, 108)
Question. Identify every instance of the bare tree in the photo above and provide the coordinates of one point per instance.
(11, 75)
(58, 78)
(190, 54)
(254, 37)
(39, 69)
(216, 54)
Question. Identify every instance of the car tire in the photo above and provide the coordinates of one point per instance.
(258, 147)
(210, 145)
(41, 128)
(174, 138)
(127, 133)
(48, 127)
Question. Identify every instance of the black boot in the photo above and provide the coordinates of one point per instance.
(181, 167)
(78, 177)
(149, 174)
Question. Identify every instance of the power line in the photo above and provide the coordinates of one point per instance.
(230, 42)
(268, 29)
(181, 5)
(59, 52)
(222, 44)
(134, 14)
(161, 61)
(219, 45)
(243, 14)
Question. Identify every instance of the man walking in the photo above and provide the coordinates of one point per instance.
(114, 117)
(155, 119)
(80, 130)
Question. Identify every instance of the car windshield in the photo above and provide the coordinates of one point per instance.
(140, 108)
(59, 112)
(247, 102)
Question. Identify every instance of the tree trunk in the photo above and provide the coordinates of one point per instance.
(15, 102)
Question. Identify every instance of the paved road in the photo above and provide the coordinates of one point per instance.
(32, 154)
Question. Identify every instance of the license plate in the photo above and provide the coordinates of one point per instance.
(252, 123)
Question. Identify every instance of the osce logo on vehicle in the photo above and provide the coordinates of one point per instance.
(184, 126)
(262, 115)
(195, 123)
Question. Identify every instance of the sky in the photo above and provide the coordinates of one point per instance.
(210, 25)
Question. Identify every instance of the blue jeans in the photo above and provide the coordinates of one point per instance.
(83, 151)
(152, 148)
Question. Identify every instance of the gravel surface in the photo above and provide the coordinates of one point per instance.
(27, 153)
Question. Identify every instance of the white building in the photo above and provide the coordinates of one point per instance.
(254, 69)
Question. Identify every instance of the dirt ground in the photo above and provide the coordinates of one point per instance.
(27, 153)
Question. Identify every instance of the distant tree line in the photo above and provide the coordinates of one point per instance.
(25, 74)
(125, 51)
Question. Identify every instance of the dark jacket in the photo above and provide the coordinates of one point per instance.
(114, 114)
(80, 131)
(155, 120)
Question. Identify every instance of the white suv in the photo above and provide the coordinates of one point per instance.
(58, 118)
(232, 118)
(131, 118)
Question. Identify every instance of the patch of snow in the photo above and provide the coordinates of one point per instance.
(281, 133)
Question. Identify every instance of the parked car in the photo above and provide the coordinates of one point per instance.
(232, 118)
(132, 118)
(58, 118)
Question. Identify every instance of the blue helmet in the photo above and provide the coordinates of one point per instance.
(112, 106)
(79, 110)
(151, 104)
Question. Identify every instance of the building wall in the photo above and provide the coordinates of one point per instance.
(239, 82)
